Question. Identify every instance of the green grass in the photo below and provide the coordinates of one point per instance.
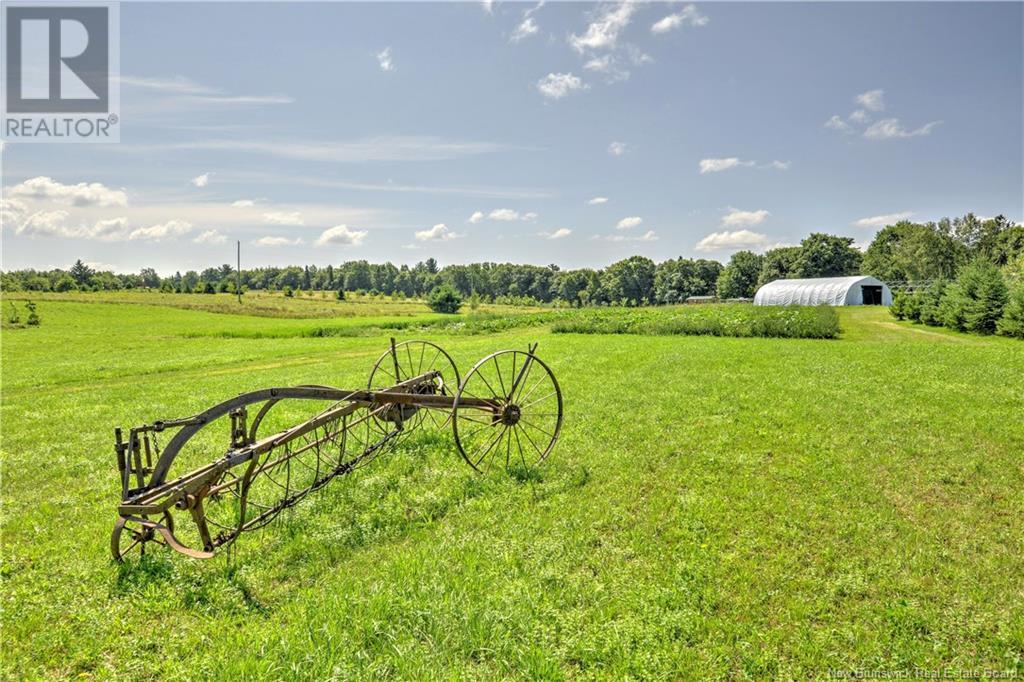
(717, 507)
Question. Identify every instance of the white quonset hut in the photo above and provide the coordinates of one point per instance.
(860, 290)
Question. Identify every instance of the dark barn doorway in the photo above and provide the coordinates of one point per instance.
(871, 295)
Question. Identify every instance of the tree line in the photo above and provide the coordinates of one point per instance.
(905, 252)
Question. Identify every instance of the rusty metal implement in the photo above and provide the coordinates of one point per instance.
(506, 410)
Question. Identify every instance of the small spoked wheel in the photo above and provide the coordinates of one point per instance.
(411, 359)
(130, 536)
(508, 411)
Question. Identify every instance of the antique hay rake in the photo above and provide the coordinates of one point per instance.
(508, 409)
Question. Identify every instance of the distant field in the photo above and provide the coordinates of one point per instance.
(717, 507)
(317, 304)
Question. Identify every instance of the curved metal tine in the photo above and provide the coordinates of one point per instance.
(408, 353)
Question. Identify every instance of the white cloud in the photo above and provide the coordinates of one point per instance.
(243, 203)
(872, 100)
(188, 91)
(439, 232)
(603, 32)
(12, 211)
(883, 220)
(161, 231)
(615, 66)
(488, 5)
(112, 229)
(618, 148)
(380, 148)
(384, 59)
(557, 234)
(210, 237)
(277, 241)
(558, 85)
(719, 165)
(889, 128)
(780, 165)
(629, 223)
(598, 200)
(201, 180)
(50, 223)
(648, 236)
(688, 16)
(283, 218)
(837, 123)
(738, 218)
(54, 224)
(526, 29)
(342, 235)
(476, 217)
(81, 194)
(507, 214)
(732, 241)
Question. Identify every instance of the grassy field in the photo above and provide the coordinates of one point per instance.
(717, 507)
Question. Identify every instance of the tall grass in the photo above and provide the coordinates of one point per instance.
(792, 322)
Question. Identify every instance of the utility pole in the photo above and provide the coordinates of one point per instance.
(238, 273)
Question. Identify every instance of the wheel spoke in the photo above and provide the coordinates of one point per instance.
(489, 447)
(519, 446)
(525, 380)
(493, 392)
(501, 381)
(523, 396)
(523, 407)
(540, 453)
(527, 421)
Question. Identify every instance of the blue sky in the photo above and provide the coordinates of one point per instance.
(321, 133)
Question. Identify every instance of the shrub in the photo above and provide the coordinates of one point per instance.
(930, 302)
(900, 301)
(13, 317)
(33, 318)
(444, 299)
(975, 301)
(341, 294)
(288, 292)
(1012, 322)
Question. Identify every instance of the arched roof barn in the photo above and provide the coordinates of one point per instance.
(859, 290)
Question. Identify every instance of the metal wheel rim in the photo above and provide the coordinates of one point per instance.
(404, 352)
(551, 436)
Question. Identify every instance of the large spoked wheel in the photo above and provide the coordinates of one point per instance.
(130, 537)
(508, 410)
(412, 359)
